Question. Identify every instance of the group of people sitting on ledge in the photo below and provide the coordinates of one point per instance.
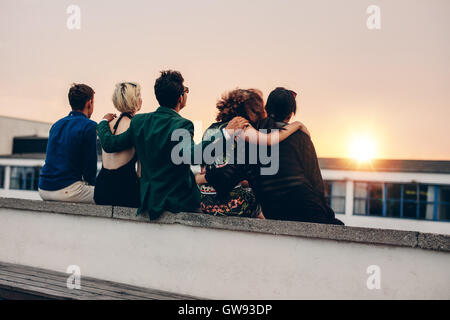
(141, 156)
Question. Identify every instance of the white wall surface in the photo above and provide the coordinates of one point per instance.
(223, 264)
(441, 227)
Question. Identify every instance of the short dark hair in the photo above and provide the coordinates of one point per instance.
(281, 103)
(168, 88)
(79, 94)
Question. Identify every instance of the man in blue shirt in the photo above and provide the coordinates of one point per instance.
(71, 162)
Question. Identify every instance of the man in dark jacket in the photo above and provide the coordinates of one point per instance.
(296, 192)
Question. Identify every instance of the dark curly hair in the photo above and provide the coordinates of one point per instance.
(168, 88)
(79, 94)
(246, 103)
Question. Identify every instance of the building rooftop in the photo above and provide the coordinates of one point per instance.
(22, 119)
(386, 165)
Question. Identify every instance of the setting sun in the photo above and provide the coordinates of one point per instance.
(362, 148)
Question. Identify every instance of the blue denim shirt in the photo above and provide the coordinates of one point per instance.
(71, 153)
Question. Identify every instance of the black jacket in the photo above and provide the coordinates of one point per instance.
(295, 192)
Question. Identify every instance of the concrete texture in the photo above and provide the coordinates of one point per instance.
(57, 207)
(285, 228)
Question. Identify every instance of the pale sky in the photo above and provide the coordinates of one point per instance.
(391, 84)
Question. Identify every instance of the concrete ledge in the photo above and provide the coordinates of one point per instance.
(433, 241)
(367, 236)
(57, 207)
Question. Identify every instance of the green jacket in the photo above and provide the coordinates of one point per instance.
(164, 185)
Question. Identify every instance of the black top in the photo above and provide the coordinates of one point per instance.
(298, 162)
(296, 192)
(118, 187)
(116, 125)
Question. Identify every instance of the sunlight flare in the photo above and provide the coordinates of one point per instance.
(362, 148)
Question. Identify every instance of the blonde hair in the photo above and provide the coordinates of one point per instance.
(126, 96)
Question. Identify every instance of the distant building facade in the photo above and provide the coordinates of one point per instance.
(13, 127)
(18, 173)
(390, 194)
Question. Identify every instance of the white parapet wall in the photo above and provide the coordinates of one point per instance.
(225, 258)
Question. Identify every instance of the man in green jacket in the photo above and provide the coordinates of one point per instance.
(164, 184)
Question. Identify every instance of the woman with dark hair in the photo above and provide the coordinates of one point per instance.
(296, 192)
(223, 191)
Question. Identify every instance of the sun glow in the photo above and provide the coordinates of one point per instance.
(362, 148)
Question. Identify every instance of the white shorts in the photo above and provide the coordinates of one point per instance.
(79, 191)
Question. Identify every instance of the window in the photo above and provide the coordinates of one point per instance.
(427, 196)
(413, 201)
(393, 202)
(368, 199)
(24, 178)
(335, 195)
(410, 201)
(2, 177)
(443, 202)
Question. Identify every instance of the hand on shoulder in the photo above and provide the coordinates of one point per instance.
(236, 125)
(110, 116)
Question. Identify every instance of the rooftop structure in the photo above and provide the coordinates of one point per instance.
(386, 165)
(14, 127)
(243, 258)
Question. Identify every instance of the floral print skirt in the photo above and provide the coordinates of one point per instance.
(239, 202)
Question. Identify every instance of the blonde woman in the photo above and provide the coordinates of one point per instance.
(117, 183)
